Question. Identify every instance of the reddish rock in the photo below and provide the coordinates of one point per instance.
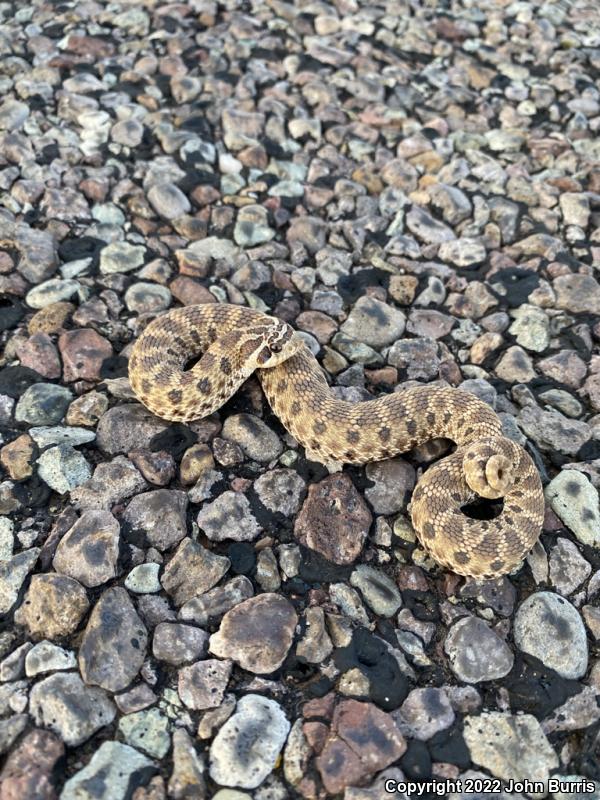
(83, 352)
(320, 325)
(363, 740)
(28, 771)
(334, 519)
(39, 353)
(189, 292)
(565, 367)
(157, 468)
(16, 457)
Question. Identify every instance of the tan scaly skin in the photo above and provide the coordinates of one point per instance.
(237, 341)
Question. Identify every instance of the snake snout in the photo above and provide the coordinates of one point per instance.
(488, 474)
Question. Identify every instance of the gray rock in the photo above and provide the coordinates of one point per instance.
(476, 652)
(160, 515)
(463, 252)
(143, 579)
(211, 605)
(128, 132)
(112, 771)
(202, 685)
(89, 551)
(51, 291)
(53, 606)
(229, 517)
(374, 323)
(315, 646)
(281, 491)
(425, 712)
(48, 657)
(568, 568)
(394, 480)
(550, 430)
(548, 627)
(257, 633)
(168, 200)
(63, 468)
(427, 228)
(13, 573)
(111, 483)
(578, 711)
(380, 592)
(43, 404)
(454, 204)
(252, 226)
(256, 439)
(72, 710)
(575, 500)
(127, 427)
(531, 328)
(145, 297)
(121, 257)
(176, 643)
(113, 646)
(247, 746)
(147, 730)
(510, 746)
(419, 357)
(57, 434)
(193, 570)
(187, 778)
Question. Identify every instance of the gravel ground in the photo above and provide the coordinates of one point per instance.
(198, 611)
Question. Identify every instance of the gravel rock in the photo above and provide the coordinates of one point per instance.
(145, 297)
(83, 353)
(257, 633)
(213, 604)
(111, 483)
(334, 520)
(229, 517)
(192, 571)
(53, 606)
(393, 479)
(424, 713)
(281, 491)
(463, 252)
(568, 568)
(245, 749)
(160, 515)
(53, 291)
(143, 579)
(111, 772)
(120, 257)
(29, 769)
(43, 404)
(575, 500)
(48, 657)
(147, 731)
(202, 685)
(380, 592)
(168, 200)
(13, 573)
(129, 427)
(374, 323)
(89, 551)
(577, 293)
(113, 646)
(551, 430)
(63, 468)
(427, 228)
(510, 746)
(72, 710)
(256, 439)
(549, 627)
(476, 652)
(179, 644)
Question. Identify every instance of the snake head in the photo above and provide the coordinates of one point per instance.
(279, 342)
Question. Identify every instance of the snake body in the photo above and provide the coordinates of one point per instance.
(235, 341)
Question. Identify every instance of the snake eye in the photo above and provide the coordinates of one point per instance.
(276, 348)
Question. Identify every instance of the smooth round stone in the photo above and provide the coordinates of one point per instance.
(121, 257)
(252, 226)
(476, 652)
(247, 746)
(48, 657)
(145, 297)
(63, 468)
(52, 291)
(168, 200)
(548, 627)
(43, 404)
(425, 712)
(380, 592)
(374, 323)
(128, 132)
(108, 214)
(143, 579)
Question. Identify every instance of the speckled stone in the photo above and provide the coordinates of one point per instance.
(476, 652)
(89, 551)
(53, 606)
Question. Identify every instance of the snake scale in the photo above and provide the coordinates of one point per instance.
(234, 342)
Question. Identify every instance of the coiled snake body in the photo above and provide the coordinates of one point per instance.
(235, 341)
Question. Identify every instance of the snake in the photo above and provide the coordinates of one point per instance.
(189, 361)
